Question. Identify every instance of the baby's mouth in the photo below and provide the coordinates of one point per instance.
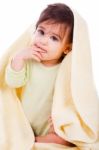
(39, 47)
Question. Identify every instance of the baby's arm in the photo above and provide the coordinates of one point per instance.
(15, 78)
(19, 59)
(17, 72)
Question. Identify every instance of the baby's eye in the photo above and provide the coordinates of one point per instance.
(40, 31)
(54, 38)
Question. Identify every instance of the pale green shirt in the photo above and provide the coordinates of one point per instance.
(37, 96)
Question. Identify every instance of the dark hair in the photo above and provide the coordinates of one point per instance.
(58, 13)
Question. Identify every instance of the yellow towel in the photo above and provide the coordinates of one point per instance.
(75, 103)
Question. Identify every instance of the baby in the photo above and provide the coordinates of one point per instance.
(35, 67)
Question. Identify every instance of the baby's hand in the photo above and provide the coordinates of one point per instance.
(29, 53)
(19, 58)
(38, 51)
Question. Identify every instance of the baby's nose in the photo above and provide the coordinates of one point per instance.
(44, 40)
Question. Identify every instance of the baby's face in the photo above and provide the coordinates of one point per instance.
(49, 38)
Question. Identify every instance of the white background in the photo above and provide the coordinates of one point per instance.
(17, 15)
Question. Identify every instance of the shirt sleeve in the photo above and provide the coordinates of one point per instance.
(16, 79)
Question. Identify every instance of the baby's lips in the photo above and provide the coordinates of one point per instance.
(40, 47)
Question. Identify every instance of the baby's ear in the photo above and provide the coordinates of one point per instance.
(68, 48)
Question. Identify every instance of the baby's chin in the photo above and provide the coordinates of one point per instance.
(45, 56)
(44, 59)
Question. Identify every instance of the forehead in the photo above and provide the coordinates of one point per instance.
(53, 27)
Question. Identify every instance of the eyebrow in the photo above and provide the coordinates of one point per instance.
(52, 32)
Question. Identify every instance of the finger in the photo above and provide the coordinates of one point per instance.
(40, 53)
(39, 49)
(37, 54)
(36, 58)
